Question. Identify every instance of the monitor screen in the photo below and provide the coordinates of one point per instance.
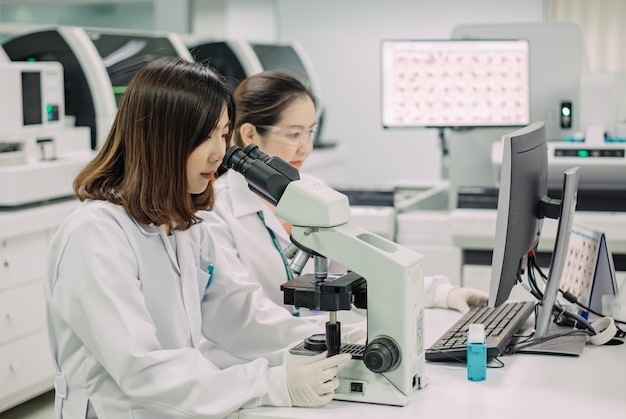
(455, 83)
(31, 98)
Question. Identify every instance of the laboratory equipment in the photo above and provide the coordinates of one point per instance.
(4, 58)
(602, 168)
(383, 277)
(237, 59)
(39, 152)
(98, 64)
(599, 152)
(455, 83)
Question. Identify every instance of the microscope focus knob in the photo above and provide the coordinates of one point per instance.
(381, 355)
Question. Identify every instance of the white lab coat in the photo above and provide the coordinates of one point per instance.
(237, 206)
(139, 329)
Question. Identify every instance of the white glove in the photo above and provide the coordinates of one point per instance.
(313, 380)
(462, 299)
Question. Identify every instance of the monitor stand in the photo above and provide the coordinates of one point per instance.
(563, 345)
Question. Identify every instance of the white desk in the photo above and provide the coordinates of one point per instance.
(529, 386)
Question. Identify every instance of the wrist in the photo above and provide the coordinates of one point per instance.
(277, 393)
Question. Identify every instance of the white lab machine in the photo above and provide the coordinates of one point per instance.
(4, 58)
(383, 277)
(98, 65)
(602, 165)
(237, 59)
(597, 149)
(39, 154)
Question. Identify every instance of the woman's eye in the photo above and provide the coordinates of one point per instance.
(295, 135)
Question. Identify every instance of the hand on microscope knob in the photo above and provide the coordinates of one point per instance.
(462, 299)
(313, 380)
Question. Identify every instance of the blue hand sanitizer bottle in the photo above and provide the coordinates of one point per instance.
(476, 353)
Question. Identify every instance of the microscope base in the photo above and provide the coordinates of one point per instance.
(358, 384)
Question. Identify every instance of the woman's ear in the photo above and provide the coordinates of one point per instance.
(248, 133)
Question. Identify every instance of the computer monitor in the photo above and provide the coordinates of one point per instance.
(237, 59)
(97, 63)
(455, 83)
(522, 205)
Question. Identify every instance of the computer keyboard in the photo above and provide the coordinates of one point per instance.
(501, 323)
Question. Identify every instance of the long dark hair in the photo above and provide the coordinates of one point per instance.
(170, 107)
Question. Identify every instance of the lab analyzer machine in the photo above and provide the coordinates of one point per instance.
(98, 65)
(383, 277)
(39, 152)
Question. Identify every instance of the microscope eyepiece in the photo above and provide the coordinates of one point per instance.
(262, 178)
(276, 163)
(236, 159)
(253, 151)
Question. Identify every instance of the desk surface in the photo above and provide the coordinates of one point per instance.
(527, 386)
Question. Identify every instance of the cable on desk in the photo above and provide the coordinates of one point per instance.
(499, 361)
(572, 299)
(566, 294)
(562, 317)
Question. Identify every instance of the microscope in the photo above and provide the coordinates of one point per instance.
(384, 278)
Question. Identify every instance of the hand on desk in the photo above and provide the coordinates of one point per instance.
(312, 381)
(462, 299)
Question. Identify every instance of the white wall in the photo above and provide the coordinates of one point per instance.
(244, 19)
(343, 38)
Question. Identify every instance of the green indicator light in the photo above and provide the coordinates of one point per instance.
(565, 111)
(118, 90)
(48, 108)
(583, 153)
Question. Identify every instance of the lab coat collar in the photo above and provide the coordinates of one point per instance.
(243, 200)
(155, 230)
(147, 229)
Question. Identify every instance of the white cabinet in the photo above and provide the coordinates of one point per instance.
(25, 360)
